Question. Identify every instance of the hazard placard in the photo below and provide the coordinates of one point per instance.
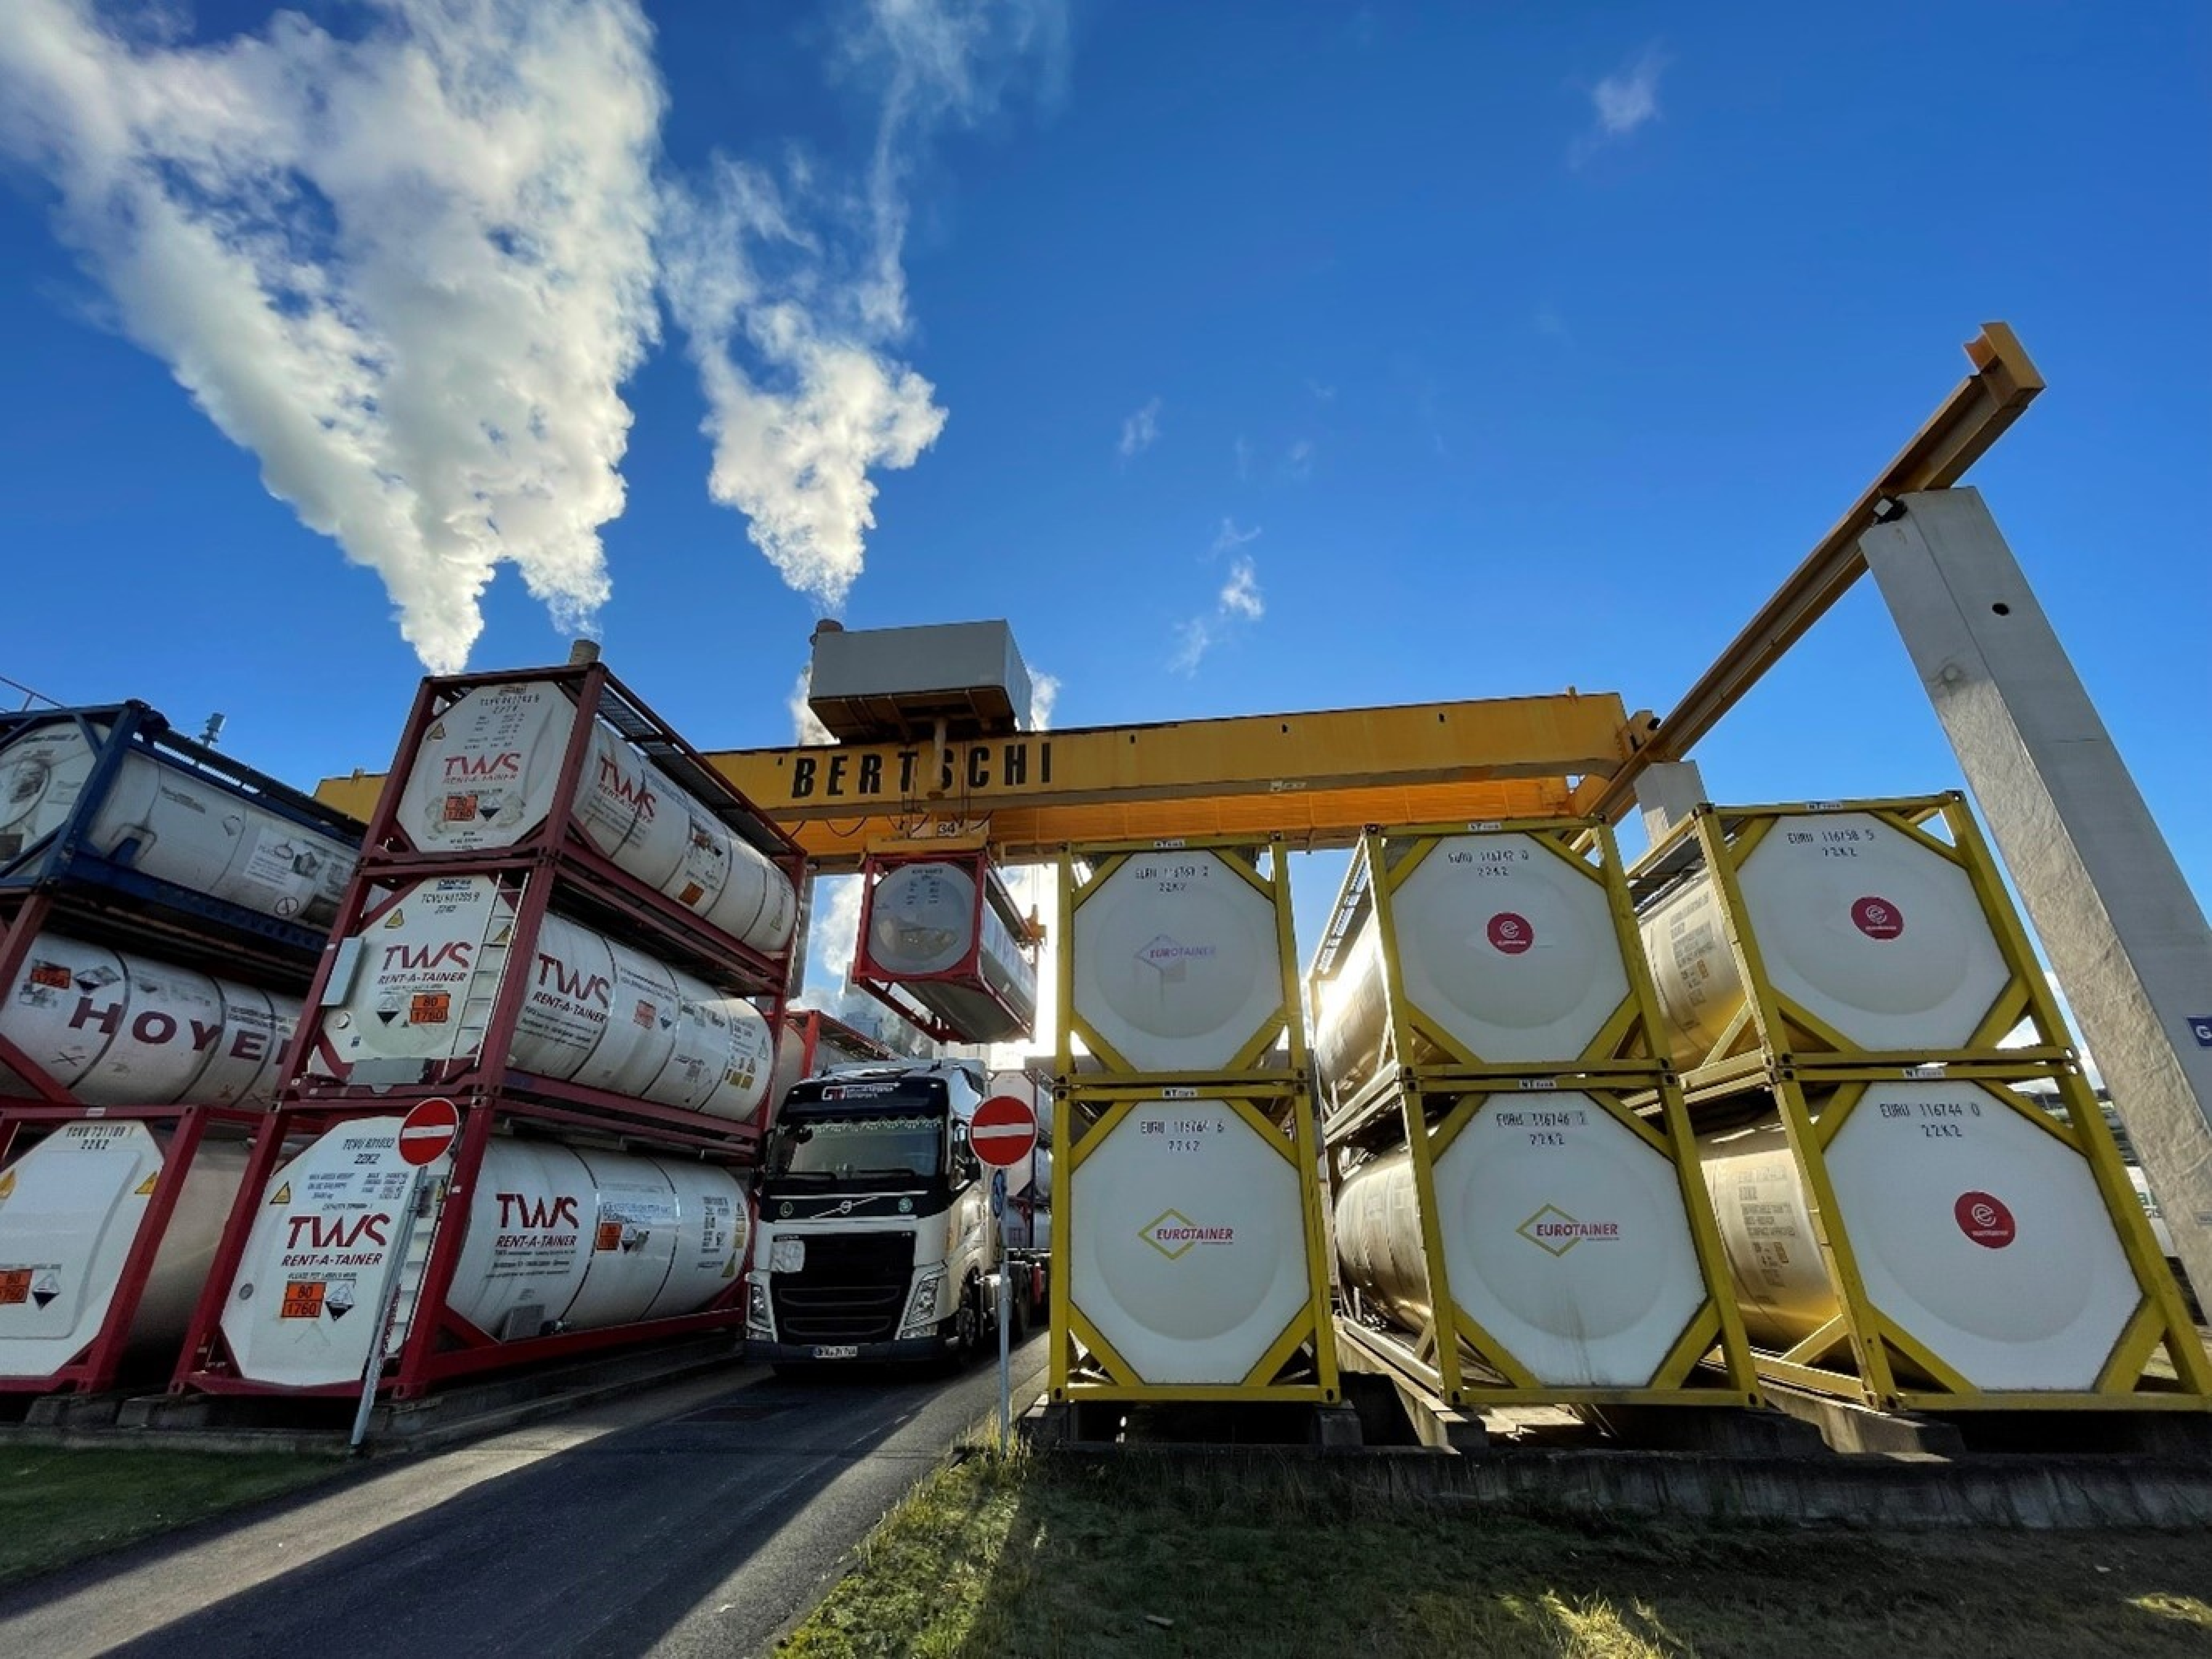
(14, 1286)
(303, 1299)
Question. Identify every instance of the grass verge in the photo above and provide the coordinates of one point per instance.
(1035, 1557)
(60, 1506)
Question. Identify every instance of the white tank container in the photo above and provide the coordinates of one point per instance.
(70, 1210)
(598, 1012)
(558, 1238)
(1177, 962)
(1871, 932)
(925, 918)
(1565, 1237)
(1507, 949)
(1980, 1234)
(1188, 1243)
(484, 777)
(116, 1028)
(188, 830)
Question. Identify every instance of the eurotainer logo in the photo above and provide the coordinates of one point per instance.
(1877, 918)
(1175, 1235)
(1510, 933)
(1984, 1218)
(1553, 1229)
(1171, 959)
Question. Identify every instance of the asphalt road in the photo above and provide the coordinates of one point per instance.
(697, 1520)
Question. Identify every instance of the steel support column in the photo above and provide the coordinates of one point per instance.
(2110, 904)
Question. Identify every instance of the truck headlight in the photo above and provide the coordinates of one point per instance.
(922, 1306)
(759, 1322)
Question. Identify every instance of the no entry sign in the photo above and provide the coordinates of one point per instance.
(427, 1132)
(1004, 1131)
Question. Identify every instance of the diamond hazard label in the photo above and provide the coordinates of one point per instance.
(145, 1189)
(283, 1195)
(1984, 1219)
(1877, 918)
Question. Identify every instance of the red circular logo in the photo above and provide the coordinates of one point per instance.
(1983, 1218)
(1510, 933)
(1877, 918)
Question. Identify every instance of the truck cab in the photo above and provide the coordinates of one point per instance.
(874, 1241)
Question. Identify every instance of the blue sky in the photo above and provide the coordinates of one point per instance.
(1275, 356)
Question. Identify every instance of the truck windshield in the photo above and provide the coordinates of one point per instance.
(846, 1148)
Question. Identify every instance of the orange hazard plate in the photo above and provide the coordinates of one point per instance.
(608, 1237)
(14, 1286)
(429, 1008)
(303, 1299)
(460, 809)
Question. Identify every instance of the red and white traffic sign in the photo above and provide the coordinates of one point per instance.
(1004, 1131)
(427, 1132)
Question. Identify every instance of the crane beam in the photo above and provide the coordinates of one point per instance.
(2003, 382)
(1316, 779)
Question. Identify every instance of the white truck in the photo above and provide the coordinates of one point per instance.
(874, 1241)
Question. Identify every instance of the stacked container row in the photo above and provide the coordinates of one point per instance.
(1187, 1255)
(1509, 1227)
(161, 912)
(1906, 1226)
(566, 924)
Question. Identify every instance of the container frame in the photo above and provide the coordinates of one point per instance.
(97, 1367)
(1881, 1354)
(1629, 1045)
(1772, 1033)
(441, 1346)
(1261, 1058)
(1279, 1110)
(1452, 1357)
(967, 974)
(166, 916)
(532, 890)
(559, 840)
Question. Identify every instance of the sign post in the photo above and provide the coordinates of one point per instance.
(426, 1134)
(1003, 1132)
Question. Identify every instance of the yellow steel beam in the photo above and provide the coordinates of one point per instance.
(1317, 779)
(1972, 419)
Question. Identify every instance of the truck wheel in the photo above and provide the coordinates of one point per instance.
(965, 1327)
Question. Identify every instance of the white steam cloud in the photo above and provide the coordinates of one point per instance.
(791, 316)
(408, 271)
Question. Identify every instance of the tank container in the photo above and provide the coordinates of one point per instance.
(558, 1239)
(1507, 952)
(598, 1013)
(1873, 932)
(486, 773)
(933, 929)
(114, 1028)
(1980, 1234)
(70, 1210)
(162, 818)
(1176, 960)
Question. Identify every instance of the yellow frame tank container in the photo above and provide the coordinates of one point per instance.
(1431, 1089)
(1817, 1080)
(1090, 872)
(1090, 1357)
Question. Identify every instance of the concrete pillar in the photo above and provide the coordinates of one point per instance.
(1667, 792)
(2115, 916)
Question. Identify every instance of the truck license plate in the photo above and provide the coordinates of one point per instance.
(838, 1353)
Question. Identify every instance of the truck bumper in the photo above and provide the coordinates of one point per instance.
(905, 1351)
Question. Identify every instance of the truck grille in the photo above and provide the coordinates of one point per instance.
(853, 1288)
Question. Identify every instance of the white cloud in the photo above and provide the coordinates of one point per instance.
(832, 931)
(790, 307)
(1622, 102)
(1240, 594)
(1230, 537)
(806, 726)
(1321, 394)
(408, 270)
(1139, 430)
(1044, 696)
(1240, 601)
(1242, 450)
(1298, 460)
